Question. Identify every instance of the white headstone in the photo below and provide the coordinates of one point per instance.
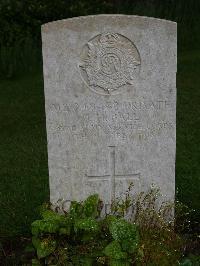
(110, 97)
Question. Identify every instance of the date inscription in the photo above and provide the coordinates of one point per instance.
(128, 120)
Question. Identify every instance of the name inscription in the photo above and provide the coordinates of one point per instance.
(133, 120)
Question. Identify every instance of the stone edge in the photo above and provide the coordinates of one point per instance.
(47, 26)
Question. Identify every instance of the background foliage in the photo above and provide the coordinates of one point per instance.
(23, 154)
(21, 20)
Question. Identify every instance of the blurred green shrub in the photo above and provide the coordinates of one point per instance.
(21, 21)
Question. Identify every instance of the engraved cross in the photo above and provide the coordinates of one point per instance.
(113, 177)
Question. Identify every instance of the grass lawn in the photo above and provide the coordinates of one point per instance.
(188, 129)
(23, 151)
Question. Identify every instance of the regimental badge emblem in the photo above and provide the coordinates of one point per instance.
(109, 62)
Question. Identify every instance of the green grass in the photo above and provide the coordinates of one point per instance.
(188, 129)
(23, 152)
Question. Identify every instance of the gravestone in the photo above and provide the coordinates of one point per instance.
(110, 99)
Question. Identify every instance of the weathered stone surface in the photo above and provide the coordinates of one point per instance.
(110, 96)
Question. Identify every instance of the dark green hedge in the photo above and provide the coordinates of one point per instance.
(20, 41)
(19, 19)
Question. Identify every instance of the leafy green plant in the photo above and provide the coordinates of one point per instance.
(191, 260)
(82, 236)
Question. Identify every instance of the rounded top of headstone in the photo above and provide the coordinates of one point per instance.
(54, 25)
